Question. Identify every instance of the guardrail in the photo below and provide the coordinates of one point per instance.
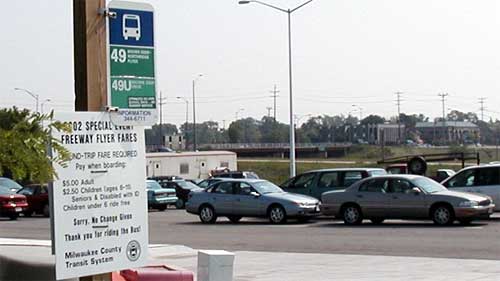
(271, 145)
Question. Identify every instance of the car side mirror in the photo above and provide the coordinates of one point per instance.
(255, 194)
(416, 191)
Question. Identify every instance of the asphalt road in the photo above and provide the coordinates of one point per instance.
(481, 240)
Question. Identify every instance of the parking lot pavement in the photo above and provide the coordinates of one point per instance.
(271, 266)
(324, 235)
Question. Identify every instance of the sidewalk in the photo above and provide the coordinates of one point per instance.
(267, 266)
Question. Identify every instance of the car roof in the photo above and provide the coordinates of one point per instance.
(243, 179)
(395, 176)
(343, 170)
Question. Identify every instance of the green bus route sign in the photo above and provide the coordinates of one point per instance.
(131, 63)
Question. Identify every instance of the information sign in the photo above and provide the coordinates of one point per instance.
(131, 62)
(100, 198)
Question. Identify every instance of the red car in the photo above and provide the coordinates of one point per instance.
(38, 199)
(11, 204)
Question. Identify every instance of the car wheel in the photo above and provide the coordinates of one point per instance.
(46, 211)
(207, 214)
(179, 204)
(13, 216)
(352, 215)
(162, 208)
(277, 215)
(377, 220)
(234, 219)
(442, 215)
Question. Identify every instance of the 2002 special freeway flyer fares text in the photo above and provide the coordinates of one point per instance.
(100, 199)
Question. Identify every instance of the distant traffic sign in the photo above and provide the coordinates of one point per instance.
(131, 62)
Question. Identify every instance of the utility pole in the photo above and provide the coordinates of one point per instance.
(160, 102)
(274, 96)
(269, 111)
(398, 101)
(443, 99)
(481, 102)
(90, 67)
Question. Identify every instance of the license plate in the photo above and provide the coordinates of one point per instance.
(19, 209)
(317, 208)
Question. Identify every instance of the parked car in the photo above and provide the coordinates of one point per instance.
(158, 197)
(182, 188)
(483, 179)
(38, 199)
(207, 182)
(10, 184)
(442, 174)
(236, 175)
(237, 198)
(404, 197)
(315, 183)
(11, 204)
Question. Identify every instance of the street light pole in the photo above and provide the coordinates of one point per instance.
(194, 110)
(292, 125)
(41, 105)
(35, 96)
(187, 121)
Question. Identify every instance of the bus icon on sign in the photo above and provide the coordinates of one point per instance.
(131, 26)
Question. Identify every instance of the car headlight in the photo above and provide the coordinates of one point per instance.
(468, 204)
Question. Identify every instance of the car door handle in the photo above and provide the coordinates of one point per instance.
(238, 199)
(359, 196)
(395, 197)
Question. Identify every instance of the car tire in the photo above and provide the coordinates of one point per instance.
(417, 165)
(180, 204)
(46, 211)
(442, 215)
(234, 219)
(377, 220)
(162, 208)
(207, 214)
(277, 214)
(352, 215)
(13, 217)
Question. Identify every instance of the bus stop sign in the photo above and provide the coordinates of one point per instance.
(131, 63)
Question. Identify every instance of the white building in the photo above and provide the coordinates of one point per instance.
(189, 165)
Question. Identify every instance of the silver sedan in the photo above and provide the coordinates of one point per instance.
(237, 198)
(404, 197)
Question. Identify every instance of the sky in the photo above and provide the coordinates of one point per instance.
(347, 55)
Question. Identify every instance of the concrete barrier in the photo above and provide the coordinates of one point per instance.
(215, 265)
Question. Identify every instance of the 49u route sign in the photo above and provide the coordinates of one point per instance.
(131, 63)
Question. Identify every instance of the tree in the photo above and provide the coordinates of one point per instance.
(244, 131)
(272, 131)
(24, 150)
(372, 120)
(152, 135)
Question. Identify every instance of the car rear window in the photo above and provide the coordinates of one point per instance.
(5, 191)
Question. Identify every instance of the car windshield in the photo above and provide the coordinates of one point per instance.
(10, 183)
(187, 185)
(264, 187)
(153, 185)
(429, 185)
(5, 190)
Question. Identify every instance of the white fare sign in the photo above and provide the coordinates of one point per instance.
(100, 198)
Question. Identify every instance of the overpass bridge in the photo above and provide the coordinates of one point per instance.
(282, 150)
